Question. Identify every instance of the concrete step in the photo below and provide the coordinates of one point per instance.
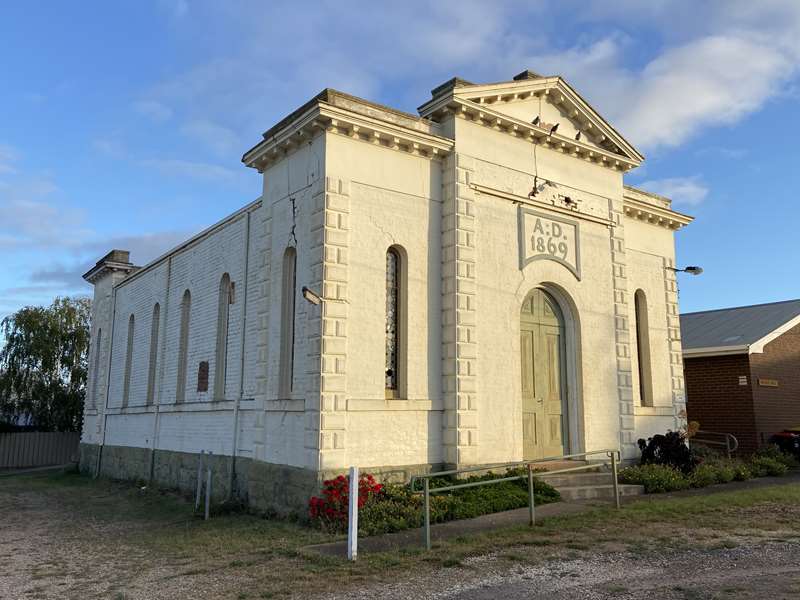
(592, 492)
(564, 464)
(580, 478)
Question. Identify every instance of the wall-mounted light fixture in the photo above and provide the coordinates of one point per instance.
(692, 270)
(312, 297)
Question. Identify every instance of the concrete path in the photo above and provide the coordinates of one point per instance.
(451, 529)
(441, 531)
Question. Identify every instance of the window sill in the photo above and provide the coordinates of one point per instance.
(653, 411)
(285, 405)
(194, 406)
(388, 404)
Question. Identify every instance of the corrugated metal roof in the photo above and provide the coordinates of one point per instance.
(738, 326)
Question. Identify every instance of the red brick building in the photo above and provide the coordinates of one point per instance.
(742, 369)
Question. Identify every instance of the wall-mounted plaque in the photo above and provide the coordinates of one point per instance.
(547, 237)
(202, 376)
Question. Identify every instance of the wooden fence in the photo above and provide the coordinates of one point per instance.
(37, 449)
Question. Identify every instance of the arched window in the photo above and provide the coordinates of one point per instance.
(221, 355)
(643, 348)
(288, 289)
(183, 346)
(96, 367)
(151, 367)
(126, 387)
(395, 310)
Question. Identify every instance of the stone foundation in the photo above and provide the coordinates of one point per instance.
(263, 486)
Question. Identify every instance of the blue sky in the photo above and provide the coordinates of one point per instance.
(122, 124)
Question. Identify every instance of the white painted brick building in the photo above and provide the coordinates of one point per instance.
(486, 290)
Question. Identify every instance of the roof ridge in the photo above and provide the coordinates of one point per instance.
(700, 312)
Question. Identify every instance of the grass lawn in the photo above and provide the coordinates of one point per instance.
(69, 536)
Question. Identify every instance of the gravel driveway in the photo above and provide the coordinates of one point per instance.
(765, 570)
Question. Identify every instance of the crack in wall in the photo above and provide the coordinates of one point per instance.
(382, 230)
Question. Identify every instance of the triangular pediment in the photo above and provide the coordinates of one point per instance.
(553, 101)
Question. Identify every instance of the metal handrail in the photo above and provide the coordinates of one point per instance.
(730, 444)
(426, 491)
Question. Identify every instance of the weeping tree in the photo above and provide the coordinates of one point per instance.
(43, 365)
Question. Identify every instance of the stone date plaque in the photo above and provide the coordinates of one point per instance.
(544, 236)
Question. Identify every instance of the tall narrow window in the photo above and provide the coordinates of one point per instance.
(126, 387)
(287, 321)
(393, 309)
(96, 367)
(643, 348)
(151, 367)
(183, 343)
(221, 355)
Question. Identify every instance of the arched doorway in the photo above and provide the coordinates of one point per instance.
(545, 430)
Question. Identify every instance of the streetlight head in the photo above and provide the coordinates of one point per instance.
(694, 270)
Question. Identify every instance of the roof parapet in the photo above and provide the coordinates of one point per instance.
(527, 74)
(114, 261)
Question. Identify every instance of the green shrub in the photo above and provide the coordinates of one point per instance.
(654, 478)
(761, 466)
(772, 451)
(741, 471)
(395, 508)
(705, 453)
(703, 476)
(725, 473)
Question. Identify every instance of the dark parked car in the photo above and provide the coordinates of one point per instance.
(788, 441)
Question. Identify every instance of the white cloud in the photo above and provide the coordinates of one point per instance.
(222, 140)
(662, 88)
(177, 8)
(732, 153)
(681, 190)
(152, 109)
(186, 168)
(110, 147)
(8, 155)
(143, 248)
(31, 215)
(711, 81)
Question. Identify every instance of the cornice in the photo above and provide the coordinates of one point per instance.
(559, 93)
(540, 204)
(101, 270)
(488, 117)
(655, 215)
(325, 117)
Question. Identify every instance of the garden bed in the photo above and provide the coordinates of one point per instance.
(392, 507)
(667, 471)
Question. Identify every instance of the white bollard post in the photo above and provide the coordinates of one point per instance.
(352, 516)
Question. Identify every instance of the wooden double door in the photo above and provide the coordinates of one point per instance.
(543, 358)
